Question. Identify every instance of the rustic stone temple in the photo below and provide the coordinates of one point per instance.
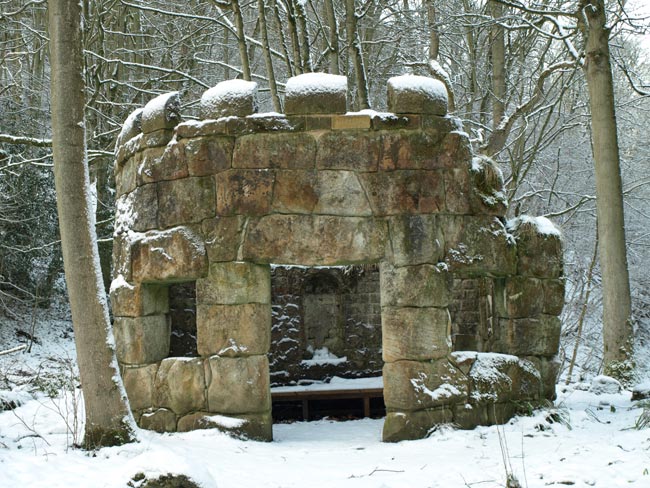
(254, 250)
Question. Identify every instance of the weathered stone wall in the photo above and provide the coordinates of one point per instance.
(218, 201)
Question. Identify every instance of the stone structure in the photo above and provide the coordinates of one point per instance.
(217, 201)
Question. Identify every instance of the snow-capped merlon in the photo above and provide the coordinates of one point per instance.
(132, 127)
(527, 224)
(229, 98)
(413, 94)
(163, 112)
(316, 93)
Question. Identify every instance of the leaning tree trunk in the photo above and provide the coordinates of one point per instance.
(108, 417)
(498, 51)
(617, 325)
(355, 55)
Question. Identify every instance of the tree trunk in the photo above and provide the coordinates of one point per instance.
(498, 54)
(333, 45)
(267, 57)
(108, 417)
(617, 324)
(354, 53)
(241, 40)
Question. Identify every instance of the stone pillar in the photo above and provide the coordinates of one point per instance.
(233, 332)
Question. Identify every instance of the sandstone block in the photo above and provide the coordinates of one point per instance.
(416, 239)
(390, 121)
(467, 415)
(139, 384)
(491, 378)
(414, 286)
(539, 247)
(222, 237)
(459, 192)
(404, 426)
(487, 181)
(478, 245)
(233, 330)
(316, 93)
(162, 163)
(127, 150)
(549, 369)
(276, 150)
(314, 240)
(163, 112)
(518, 297)
(454, 150)
(349, 150)
(239, 385)
(415, 333)
(121, 260)
(412, 94)
(351, 121)
(144, 208)
(296, 191)
(126, 180)
(132, 127)
(141, 340)
(538, 336)
(339, 193)
(199, 128)
(412, 149)
(173, 255)
(229, 98)
(186, 201)
(257, 427)
(159, 420)
(136, 300)
(405, 192)
(208, 155)
(235, 283)
(244, 191)
(180, 385)
(157, 138)
(553, 296)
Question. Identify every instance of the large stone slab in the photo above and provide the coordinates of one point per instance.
(316, 93)
(180, 385)
(244, 191)
(138, 210)
(405, 426)
(141, 340)
(416, 385)
(239, 385)
(207, 155)
(174, 255)
(518, 297)
(539, 247)
(159, 420)
(478, 245)
(416, 239)
(533, 336)
(286, 150)
(255, 426)
(413, 94)
(163, 112)
(235, 283)
(136, 300)
(162, 163)
(349, 150)
(413, 149)
(222, 237)
(186, 201)
(314, 240)
(139, 385)
(229, 98)
(415, 333)
(423, 285)
(405, 192)
(233, 330)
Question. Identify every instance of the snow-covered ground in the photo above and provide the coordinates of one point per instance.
(587, 440)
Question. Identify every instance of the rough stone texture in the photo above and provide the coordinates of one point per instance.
(417, 385)
(222, 237)
(414, 286)
(284, 150)
(478, 245)
(163, 112)
(257, 427)
(235, 283)
(139, 384)
(412, 94)
(245, 191)
(415, 333)
(180, 385)
(233, 330)
(416, 239)
(239, 385)
(174, 255)
(185, 201)
(141, 340)
(132, 127)
(138, 300)
(318, 188)
(404, 426)
(316, 93)
(532, 336)
(314, 240)
(160, 420)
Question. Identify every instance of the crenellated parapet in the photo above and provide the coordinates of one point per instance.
(218, 200)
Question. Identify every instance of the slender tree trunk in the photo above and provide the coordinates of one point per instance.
(355, 55)
(434, 35)
(333, 45)
(283, 39)
(108, 417)
(241, 40)
(617, 324)
(295, 41)
(301, 18)
(498, 49)
(267, 57)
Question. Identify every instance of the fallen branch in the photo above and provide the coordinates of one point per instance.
(15, 349)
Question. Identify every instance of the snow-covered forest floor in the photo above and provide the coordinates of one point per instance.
(585, 440)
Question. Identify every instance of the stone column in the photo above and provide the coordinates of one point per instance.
(233, 333)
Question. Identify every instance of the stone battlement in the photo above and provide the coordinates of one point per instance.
(217, 201)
